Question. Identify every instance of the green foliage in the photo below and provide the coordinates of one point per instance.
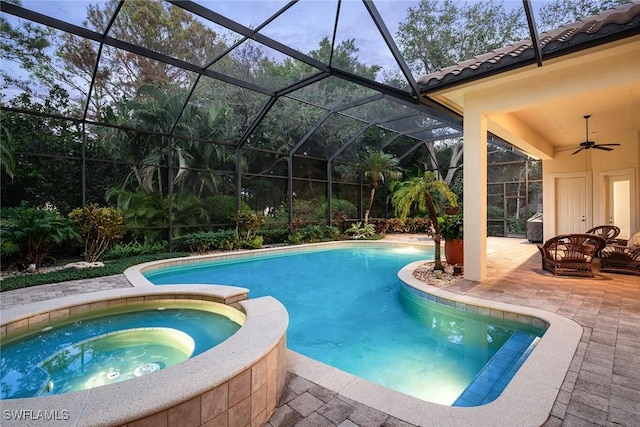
(361, 231)
(304, 211)
(222, 208)
(438, 34)
(26, 44)
(125, 250)
(39, 179)
(400, 225)
(153, 24)
(248, 223)
(151, 211)
(341, 210)
(204, 241)
(28, 234)
(254, 242)
(7, 164)
(451, 227)
(314, 234)
(424, 193)
(560, 12)
(273, 235)
(110, 268)
(99, 228)
(378, 167)
(495, 212)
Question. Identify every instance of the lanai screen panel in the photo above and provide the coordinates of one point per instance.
(333, 93)
(222, 111)
(162, 36)
(371, 140)
(284, 125)
(356, 27)
(45, 80)
(330, 136)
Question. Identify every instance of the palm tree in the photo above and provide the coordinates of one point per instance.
(422, 192)
(377, 167)
(7, 163)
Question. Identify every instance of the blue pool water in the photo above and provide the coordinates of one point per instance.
(107, 349)
(347, 309)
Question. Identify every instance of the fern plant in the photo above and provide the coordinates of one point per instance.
(361, 231)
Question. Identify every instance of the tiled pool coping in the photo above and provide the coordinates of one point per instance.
(526, 401)
(237, 382)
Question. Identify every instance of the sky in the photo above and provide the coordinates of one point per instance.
(301, 27)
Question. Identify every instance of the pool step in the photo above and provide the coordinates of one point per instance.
(495, 376)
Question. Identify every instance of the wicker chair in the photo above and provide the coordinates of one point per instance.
(622, 256)
(571, 254)
(608, 232)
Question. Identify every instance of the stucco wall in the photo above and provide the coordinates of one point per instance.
(594, 164)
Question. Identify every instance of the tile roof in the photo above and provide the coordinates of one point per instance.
(619, 22)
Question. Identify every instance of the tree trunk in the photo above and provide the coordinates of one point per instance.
(373, 194)
(433, 215)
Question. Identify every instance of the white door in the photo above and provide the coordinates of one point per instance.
(619, 204)
(571, 205)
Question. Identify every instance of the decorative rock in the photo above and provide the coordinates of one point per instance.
(84, 264)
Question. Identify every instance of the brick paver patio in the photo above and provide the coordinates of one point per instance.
(602, 387)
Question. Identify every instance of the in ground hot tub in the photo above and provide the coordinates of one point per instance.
(119, 344)
(191, 354)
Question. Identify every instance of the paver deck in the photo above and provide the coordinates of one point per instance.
(602, 387)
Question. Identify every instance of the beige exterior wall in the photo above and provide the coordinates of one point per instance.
(595, 164)
(528, 107)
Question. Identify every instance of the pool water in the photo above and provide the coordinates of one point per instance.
(107, 349)
(347, 310)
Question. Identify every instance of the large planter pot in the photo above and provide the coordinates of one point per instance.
(454, 251)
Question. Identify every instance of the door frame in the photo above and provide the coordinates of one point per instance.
(604, 193)
(550, 220)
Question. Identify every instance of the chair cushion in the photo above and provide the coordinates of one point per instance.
(634, 240)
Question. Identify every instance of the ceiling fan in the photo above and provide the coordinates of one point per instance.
(586, 145)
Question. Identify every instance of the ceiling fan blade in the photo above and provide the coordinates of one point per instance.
(600, 147)
(605, 145)
(578, 150)
(564, 149)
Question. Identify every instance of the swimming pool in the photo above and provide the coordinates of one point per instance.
(347, 309)
(88, 352)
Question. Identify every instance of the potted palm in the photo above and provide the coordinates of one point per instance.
(424, 193)
(451, 230)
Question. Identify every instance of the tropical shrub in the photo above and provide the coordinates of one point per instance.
(204, 241)
(254, 242)
(221, 208)
(313, 234)
(451, 227)
(28, 234)
(341, 210)
(125, 250)
(361, 231)
(418, 225)
(99, 228)
(248, 223)
(272, 235)
(146, 215)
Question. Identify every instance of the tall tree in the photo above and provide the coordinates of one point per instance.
(27, 47)
(154, 25)
(437, 34)
(559, 12)
(378, 167)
